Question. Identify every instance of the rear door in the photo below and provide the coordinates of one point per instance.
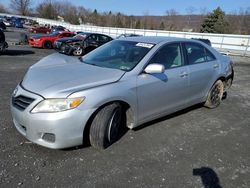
(167, 92)
(203, 70)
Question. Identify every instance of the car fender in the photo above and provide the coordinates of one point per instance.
(121, 91)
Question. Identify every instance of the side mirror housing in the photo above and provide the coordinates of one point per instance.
(154, 69)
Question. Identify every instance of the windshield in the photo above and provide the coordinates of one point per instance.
(123, 55)
(54, 34)
(81, 36)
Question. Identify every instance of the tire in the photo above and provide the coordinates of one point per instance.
(78, 51)
(106, 126)
(215, 95)
(47, 44)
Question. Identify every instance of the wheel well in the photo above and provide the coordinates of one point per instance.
(47, 41)
(129, 119)
(222, 78)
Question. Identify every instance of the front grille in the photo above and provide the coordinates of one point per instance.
(21, 102)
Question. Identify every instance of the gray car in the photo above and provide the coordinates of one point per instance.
(63, 101)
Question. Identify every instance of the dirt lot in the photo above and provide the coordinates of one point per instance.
(197, 147)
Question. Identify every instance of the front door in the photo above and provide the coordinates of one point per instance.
(164, 93)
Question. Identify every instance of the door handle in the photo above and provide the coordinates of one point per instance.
(216, 66)
(183, 74)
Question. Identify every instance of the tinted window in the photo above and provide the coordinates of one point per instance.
(169, 56)
(209, 55)
(103, 38)
(93, 38)
(195, 53)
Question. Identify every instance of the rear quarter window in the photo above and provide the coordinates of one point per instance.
(197, 53)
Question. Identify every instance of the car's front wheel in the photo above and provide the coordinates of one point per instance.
(215, 95)
(106, 126)
(47, 45)
(78, 51)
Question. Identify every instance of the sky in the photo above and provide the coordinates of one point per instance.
(155, 7)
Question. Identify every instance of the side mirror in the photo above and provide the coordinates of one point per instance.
(154, 68)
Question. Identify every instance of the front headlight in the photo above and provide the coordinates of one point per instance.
(57, 105)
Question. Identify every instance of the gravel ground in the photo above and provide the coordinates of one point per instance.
(196, 147)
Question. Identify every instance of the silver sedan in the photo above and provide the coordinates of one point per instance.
(63, 101)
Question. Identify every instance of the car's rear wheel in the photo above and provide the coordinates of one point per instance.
(106, 126)
(78, 51)
(47, 45)
(215, 95)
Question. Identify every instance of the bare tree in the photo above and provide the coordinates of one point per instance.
(171, 19)
(190, 11)
(21, 6)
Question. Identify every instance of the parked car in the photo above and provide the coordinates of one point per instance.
(128, 35)
(2, 26)
(3, 43)
(206, 41)
(40, 29)
(63, 100)
(19, 23)
(81, 44)
(7, 23)
(46, 41)
(58, 28)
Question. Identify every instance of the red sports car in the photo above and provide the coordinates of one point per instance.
(40, 30)
(46, 41)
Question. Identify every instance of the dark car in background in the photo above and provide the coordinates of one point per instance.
(2, 25)
(58, 28)
(128, 35)
(19, 23)
(81, 44)
(40, 29)
(3, 43)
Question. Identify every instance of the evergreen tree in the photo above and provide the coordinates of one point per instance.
(162, 26)
(215, 22)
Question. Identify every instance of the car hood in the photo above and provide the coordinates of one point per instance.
(68, 40)
(38, 36)
(58, 76)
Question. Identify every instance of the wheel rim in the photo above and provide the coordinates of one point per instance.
(78, 51)
(114, 125)
(216, 94)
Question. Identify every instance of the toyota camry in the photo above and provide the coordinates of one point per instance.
(63, 101)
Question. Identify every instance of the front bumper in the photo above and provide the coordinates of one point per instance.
(35, 44)
(52, 130)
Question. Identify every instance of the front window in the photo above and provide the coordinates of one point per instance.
(169, 56)
(123, 55)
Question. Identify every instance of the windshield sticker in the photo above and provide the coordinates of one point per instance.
(144, 45)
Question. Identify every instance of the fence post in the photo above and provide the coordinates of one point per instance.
(248, 43)
(222, 41)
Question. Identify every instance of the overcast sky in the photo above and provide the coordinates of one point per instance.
(154, 7)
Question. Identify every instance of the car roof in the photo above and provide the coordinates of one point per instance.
(155, 39)
(90, 33)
